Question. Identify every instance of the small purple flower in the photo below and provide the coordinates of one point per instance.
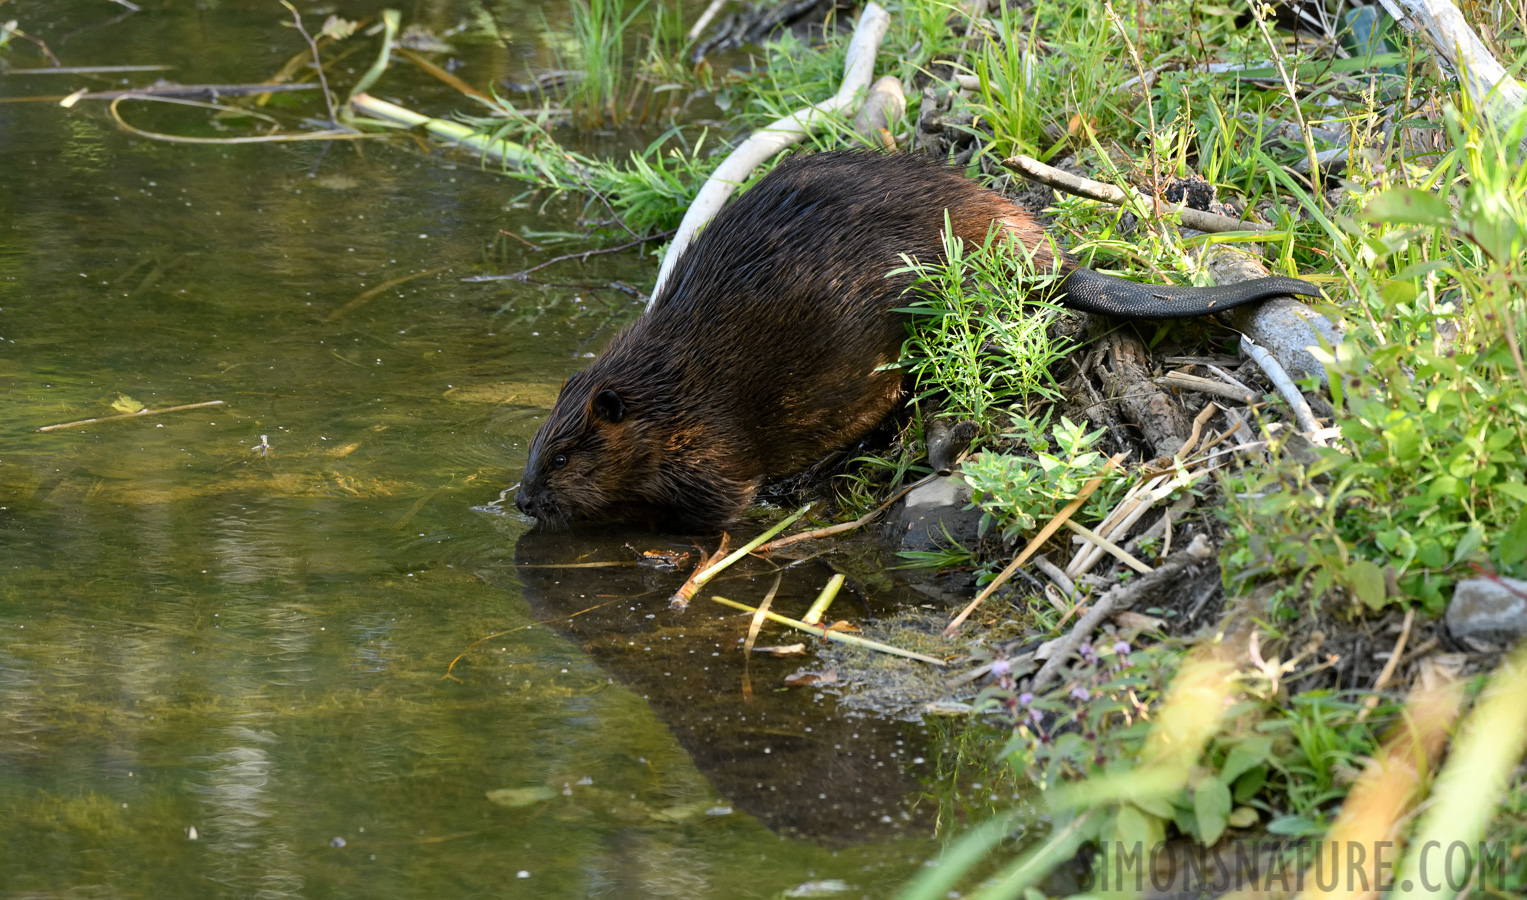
(1081, 693)
(1087, 652)
(1025, 698)
(1036, 716)
(1121, 648)
(1000, 667)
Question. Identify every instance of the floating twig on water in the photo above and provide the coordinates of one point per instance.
(835, 636)
(712, 568)
(846, 526)
(137, 415)
(829, 593)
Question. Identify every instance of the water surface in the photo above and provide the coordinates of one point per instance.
(227, 633)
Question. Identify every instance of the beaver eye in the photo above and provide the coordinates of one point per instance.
(559, 461)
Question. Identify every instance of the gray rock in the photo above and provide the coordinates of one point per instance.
(934, 508)
(1285, 326)
(1483, 609)
(1288, 329)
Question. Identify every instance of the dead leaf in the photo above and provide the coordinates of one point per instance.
(782, 650)
(809, 679)
(1132, 623)
(660, 559)
(126, 404)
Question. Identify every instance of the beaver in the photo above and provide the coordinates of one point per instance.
(773, 342)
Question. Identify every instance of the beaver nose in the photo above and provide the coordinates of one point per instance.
(523, 503)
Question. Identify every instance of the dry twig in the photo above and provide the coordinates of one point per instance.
(1120, 597)
(1197, 219)
(838, 637)
(1303, 415)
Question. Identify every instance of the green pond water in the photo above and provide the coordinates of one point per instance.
(226, 669)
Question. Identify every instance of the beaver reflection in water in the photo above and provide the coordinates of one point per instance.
(766, 349)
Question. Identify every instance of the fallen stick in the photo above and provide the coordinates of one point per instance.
(1110, 547)
(1142, 494)
(115, 112)
(1183, 478)
(1303, 415)
(141, 412)
(1118, 598)
(698, 28)
(1054, 573)
(192, 91)
(87, 70)
(846, 526)
(1044, 535)
(442, 75)
(1137, 501)
(454, 132)
(835, 636)
(1488, 82)
(1393, 663)
(1227, 378)
(858, 68)
(1187, 382)
(680, 598)
(1197, 219)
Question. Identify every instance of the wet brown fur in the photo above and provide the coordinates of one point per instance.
(764, 351)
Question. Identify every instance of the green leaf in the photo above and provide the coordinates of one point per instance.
(126, 404)
(1249, 784)
(1408, 206)
(1512, 546)
(1246, 755)
(1132, 827)
(1294, 826)
(1211, 807)
(1156, 805)
(1367, 581)
(1511, 488)
(1472, 540)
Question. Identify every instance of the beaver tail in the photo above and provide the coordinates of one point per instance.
(1095, 292)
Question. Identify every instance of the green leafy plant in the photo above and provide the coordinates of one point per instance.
(1017, 492)
(1432, 398)
(978, 339)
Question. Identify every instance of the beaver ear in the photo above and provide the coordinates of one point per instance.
(608, 406)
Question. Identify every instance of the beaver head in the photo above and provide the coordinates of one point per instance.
(611, 452)
(588, 456)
